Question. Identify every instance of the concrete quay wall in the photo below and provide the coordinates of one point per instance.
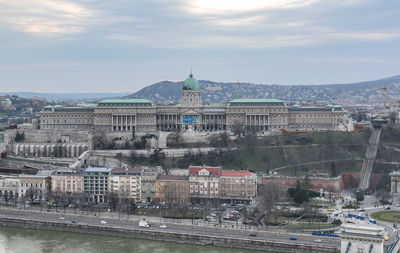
(165, 235)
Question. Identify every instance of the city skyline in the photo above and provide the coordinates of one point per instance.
(121, 46)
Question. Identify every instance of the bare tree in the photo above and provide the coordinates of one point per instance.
(183, 209)
(40, 196)
(265, 163)
(310, 212)
(238, 128)
(166, 165)
(14, 199)
(330, 191)
(113, 199)
(177, 137)
(245, 215)
(307, 181)
(32, 194)
(170, 194)
(268, 197)
(59, 199)
(75, 200)
(125, 198)
(384, 197)
(82, 200)
(6, 197)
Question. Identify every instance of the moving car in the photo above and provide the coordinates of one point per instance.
(103, 222)
(317, 240)
(163, 226)
(61, 218)
(293, 238)
(143, 224)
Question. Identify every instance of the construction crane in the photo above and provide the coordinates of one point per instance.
(385, 92)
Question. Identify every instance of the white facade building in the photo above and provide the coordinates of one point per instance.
(357, 238)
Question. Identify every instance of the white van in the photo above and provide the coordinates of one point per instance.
(143, 224)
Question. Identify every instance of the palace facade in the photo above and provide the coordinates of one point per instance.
(142, 115)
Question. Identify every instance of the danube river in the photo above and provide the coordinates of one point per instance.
(17, 240)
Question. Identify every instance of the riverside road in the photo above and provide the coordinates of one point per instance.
(183, 228)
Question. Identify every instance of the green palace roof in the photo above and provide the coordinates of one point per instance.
(126, 101)
(256, 100)
(191, 83)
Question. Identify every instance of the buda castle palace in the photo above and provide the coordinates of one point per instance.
(142, 115)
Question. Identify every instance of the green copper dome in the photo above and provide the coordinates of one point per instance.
(191, 83)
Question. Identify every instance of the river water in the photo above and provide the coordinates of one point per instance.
(18, 240)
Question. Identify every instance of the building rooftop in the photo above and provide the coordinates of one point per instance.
(316, 108)
(216, 171)
(172, 177)
(87, 107)
(255, 100)
(98, 169)
(67, 172)
(127, 101)
(308, 109)
(40, 174)
(231, 173)
(123, 171)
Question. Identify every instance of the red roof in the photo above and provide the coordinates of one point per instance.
(230, 173)
(214, 171)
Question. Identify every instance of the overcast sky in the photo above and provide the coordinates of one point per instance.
(124, 45)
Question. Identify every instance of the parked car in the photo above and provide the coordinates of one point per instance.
(74, 221)
(293, 238)
(103, 222)
(317, 240)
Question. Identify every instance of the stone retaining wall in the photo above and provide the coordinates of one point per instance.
(49, 136)
(222, 241)
(169, 152)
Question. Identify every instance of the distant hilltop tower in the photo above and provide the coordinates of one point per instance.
(191, 93)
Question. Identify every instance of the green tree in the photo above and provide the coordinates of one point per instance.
(19, 137)
(301, 196)
(359, 195)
